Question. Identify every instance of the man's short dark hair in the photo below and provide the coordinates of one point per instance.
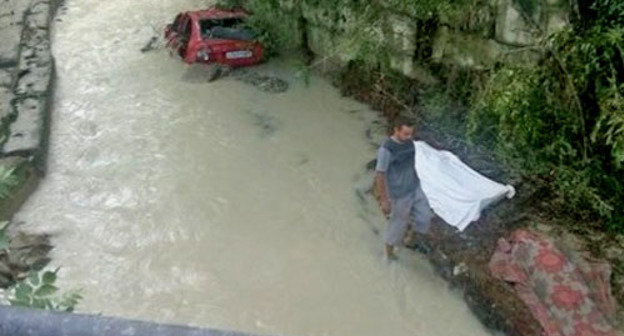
(403, 121)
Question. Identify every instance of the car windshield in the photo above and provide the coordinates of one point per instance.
(207, 25)
(230, 28)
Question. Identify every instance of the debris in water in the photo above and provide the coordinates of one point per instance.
(202, 73)
(268, 124)
(262, 82)
(150, 45)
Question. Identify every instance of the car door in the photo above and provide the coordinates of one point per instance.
(172, 29)
(174, 34)
(184, 36)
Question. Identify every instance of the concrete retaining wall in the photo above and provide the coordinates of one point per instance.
(26, 91)
(26, 79)
(498, 31)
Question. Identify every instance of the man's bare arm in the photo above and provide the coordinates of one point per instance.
(382, 195)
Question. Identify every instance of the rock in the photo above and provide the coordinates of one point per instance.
(150, 44)
(265, 83)
(25, 252)
(442, 264)
(28, 251)
(23, 240)
(6, 78)
(511, 26)
(320, 40)
(466, 50)
(5, 270)
(402, 43)
(460, 269)
(11, 14)
(6, 110)
(27, 135)
(39, 16)
(35, 80)
(9, 48)
(5, 281)
(36, 67)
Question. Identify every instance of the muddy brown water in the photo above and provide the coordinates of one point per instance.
(217, 204)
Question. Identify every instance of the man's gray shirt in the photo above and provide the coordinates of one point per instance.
(396, 160)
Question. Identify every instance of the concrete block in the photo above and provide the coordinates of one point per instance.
(6, 110)
(28, 133)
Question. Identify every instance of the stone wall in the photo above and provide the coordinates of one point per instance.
(26, 85)
(26, 78)
(499, 31)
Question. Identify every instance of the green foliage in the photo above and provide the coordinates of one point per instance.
(439, 108)
(38, 290)
(528, 6)
(4, 239)
(8, 180)
(564, 119)
(511, 116)
(277, 28)
(230, 3)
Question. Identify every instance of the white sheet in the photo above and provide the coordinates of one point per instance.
(455, 191)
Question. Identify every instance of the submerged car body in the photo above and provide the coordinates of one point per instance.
(213, 35)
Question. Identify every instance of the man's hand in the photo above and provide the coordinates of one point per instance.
(385, 206)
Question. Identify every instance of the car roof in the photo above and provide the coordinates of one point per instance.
(218, 13)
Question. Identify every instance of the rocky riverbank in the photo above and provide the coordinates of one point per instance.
(463, 258)
(424, 52)
(26, 91)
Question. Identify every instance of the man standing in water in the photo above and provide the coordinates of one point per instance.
(398, 187)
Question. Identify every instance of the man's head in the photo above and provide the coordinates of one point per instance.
(403, 129)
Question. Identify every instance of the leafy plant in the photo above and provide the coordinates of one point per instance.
(4, 240)
(8, 180)
(564, 118)
(38, 290)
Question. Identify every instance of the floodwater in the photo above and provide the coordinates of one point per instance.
(217, 204)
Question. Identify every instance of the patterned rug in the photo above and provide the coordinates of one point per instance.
(570, 295)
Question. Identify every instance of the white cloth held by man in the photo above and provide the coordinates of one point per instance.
(455, 192)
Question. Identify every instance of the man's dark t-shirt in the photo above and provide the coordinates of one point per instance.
(397, 161)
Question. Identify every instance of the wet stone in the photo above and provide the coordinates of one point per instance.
(6, 78)
(6, 96)
(27, 131)
(9, 48)
(39, 16)
(25, 252)
(35, 80)
(265, 83)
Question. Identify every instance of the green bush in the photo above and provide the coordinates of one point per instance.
(8, 180)
(565, 117)
(38, 290)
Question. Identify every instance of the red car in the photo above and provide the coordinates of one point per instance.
(214, 35)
